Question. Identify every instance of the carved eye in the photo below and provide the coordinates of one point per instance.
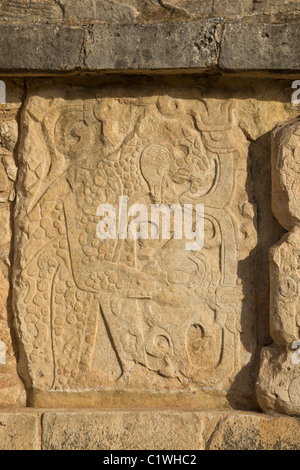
(168, 106)
(162, 343)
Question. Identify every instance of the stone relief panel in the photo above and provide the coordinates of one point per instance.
(279, 381)
(129, 314)
(11, 388)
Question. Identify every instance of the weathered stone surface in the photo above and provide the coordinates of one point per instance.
(109, 47)
(260, 47)
(266, 111)
(161, 46)
(134, 323)
(279, 381)
(11, 388)
(284, 274)
(38, 10)
(128, 315)
(285, 167)
(168, 430)
(20, 430)
(146, 430)
(271, 10)
(255, 432)
(251, 118)
(278, 385)
(40, 47)
(130, 430)
(125, 11)
(187, 46)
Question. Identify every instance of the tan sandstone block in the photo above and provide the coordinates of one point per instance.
(255, 432)
(11, 387)
(278, 386)
(284, 292)
(285, 170)
(117, 430)
(19, 431)
(279, 379)
(168, 430)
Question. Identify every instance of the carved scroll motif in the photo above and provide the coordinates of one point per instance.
(279, 382)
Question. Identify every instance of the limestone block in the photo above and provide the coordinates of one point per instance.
(126, 316)
(148, 46)
(11, 388)
(255, 432)
(168, 430)
(285, 168)
(146, 430)
(130, 430)
(284, 269)
(270, 47)
(279, 381)
(19, 431)
(284, 301)
(154, 46)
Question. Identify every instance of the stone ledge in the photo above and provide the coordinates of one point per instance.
(260, 47)
(146, 430)
(40, 48)
(213, 45)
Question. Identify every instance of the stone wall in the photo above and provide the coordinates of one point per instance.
(164, 103)
(171, 430)
(144, 11)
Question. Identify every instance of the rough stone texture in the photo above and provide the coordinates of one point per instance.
(189, 46)
(267, 102)
(168, 430)
(279, 381)
(254, 432)
(141, 429)
(152, 47)
(130, 430)
(20, 430)
(58, 369)
(48, 48)
(285, 184)
(108, 314)
(260, 47)
(278, 386)
(126, 324)
(11, 389)
(147, 323)
(125, 11)
(38, 47)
